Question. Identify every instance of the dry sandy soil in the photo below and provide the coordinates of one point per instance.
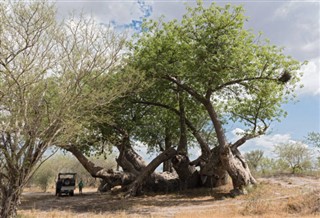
(283, 196)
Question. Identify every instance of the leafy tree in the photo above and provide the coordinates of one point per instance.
(48, 71)
(314, 138)
(254, 158)
(295, 155)
(43, 177)
(267, 166)
(224, 68)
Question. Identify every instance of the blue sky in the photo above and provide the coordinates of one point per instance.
(294, 25)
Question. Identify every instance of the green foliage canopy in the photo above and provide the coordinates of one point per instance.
(212, 56)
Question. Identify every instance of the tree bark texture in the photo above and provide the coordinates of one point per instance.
(183, 142)
(129, 160)
(135, 187)
(213, 173)
(188, 175)
(167, 164)
(231, 160)
(10, 200)
(238, 170)
(112, 178)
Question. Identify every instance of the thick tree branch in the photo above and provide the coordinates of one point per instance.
(210, 109)
(239, 81)
(188, 89)
(217, 125)
(87, 164)
(164, 156)
(182, 146)
(205, 149)
(247, 137)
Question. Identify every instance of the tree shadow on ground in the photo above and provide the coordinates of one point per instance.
(95, 202)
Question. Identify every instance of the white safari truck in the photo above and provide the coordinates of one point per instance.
(66, 184)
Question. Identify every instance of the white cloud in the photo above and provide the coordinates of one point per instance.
(237, 133)
(265, 143)
(295, 25)
(107, 12)
(311, 78)
(310, 46)
(284, 10)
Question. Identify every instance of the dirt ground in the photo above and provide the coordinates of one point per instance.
(274, 192)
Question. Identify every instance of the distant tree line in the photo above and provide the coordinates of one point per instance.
(291, 157)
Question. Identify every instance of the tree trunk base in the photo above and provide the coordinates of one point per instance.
(237, 169)
(10, 200)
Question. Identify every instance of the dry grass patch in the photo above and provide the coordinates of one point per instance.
(255, 202)
(305, 204)
(257, 206)
(270, 199)
(231, 211)
(69, 214)
(273, 197)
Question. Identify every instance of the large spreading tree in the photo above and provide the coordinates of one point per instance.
(235, 76)
(48, 72)
(197, 75)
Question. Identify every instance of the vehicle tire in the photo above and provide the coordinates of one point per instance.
(71, 193)
(67, 182)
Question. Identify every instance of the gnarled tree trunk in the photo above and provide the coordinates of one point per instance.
(231, 159)
(237, 169)
(152, 181)
(128, 159)
(110, 177)
(136, 186)
(188, 175)
(10, 200)
(231, 162)
(213, 173)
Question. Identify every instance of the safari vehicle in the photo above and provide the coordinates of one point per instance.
(66, 184)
